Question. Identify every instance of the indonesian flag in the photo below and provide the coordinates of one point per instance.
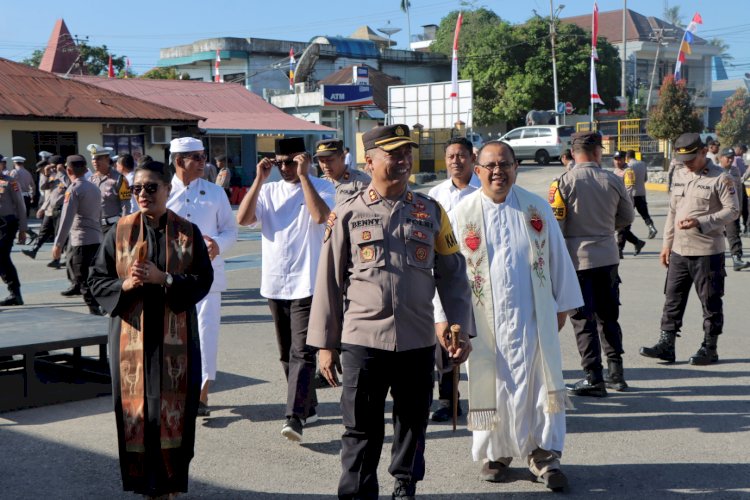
(454, 64)
(595, 98)
(292, 63)
(685, 47)
(217, 76)
(110, 69)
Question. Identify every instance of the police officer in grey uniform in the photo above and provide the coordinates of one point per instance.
(640, 173)
(348, 182)
(80, 221)
(12, 221)
(114, 188)
(385, 250)
(54, 186)
(590, 204)
(732, 230)
(224, 177)
(703, 200)
(25, 180)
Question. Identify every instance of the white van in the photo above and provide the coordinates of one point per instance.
(540, 143)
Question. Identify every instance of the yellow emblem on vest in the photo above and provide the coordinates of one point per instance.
(629, 178)
(556, 201)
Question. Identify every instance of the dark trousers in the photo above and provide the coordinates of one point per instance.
(596, 323)
(642, 207)
(368, 375)
(743, 195)
(27, 203)
(707, 273)
(626, 235)
(47, 231)
(8, 273)
(732, 232)
(290, 318)
(81, 258)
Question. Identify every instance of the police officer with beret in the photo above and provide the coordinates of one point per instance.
(348, 182)
(385, 250)
(80, 223)
(12, 221)
(114, 188)
(590, 204)
(703, 201)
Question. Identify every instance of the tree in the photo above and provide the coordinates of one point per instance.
(674, 114)
(35, 59)
(406, 8)
(723, 49)
(169, 73)
(511, 65)
(96, 59)
(734, 126)
(673, 16)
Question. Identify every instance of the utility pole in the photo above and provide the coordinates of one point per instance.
(624, 52)
(661, 37)
(552, 32)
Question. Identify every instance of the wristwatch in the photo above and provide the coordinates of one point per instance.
(168, 280)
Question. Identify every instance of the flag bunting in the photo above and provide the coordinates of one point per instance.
(454, 63)
(686, 45)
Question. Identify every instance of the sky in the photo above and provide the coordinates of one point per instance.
(138, 28)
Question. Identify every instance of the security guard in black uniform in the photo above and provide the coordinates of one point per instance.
(703, 200)
(12, 221)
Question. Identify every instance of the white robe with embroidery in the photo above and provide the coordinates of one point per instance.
(523, 425)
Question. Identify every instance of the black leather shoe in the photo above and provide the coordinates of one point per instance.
(638, 247)
(29, 253)
(14, 299)
(96, 311)
(54, 264)
(705, 356)
(71, 292)
(203, 410)
(554, 480)
(663, 349)
(445, 413)
(585, 388)
(404, 488)
(494, 472)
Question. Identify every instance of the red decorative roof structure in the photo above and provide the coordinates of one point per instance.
(61, 52)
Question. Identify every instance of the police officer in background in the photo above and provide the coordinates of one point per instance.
(713, 151)
(639, 178)
(224, 177)
(12, 221)
(125, 166)
(590, 204)
(624, 171)
(115, 191)
(347, 181)
(25, 180)
(384, 252)
(732, 230)
(80, 222)
(703, 200)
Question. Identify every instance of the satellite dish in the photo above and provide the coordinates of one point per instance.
(306, 62)
(389, 30)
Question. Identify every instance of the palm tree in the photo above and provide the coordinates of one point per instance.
(723, 49)
(405, 7)
(673, 16)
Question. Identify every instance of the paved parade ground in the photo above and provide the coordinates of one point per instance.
(681, 431)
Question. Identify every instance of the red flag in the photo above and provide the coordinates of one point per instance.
(454, 63)
(217, 77)
(111, 70)
(697, 19)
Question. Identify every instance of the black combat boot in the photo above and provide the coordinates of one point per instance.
(664, 348)
(592, 385)
(707, 353)
(615, 378)
(14, 299)
(652, 231)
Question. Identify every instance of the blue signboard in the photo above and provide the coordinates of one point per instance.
(347, 95)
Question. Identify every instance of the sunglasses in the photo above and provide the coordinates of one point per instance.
(196, 156)
(285, 163)
(150, 188)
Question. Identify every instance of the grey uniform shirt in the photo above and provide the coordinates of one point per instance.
(54, 186)
(81, 215)
(378, 270)
(224, 178)
(11, 200)
(25, 180)
(115, 193)
(350, 183)
(595, 206)
(641, 176)
(710, 197)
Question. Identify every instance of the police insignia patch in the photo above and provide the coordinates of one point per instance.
(14, 186)
(419, 234)
(409, 197)
(367, 254)
(329, 226)
(729, 183)
(373, 195)
(67, 197)
(366, 235)
(421, 253)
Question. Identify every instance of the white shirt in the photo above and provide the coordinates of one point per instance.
(291, 241)
(133, 201)
(448, 195)
(206, 205)
(348, 160)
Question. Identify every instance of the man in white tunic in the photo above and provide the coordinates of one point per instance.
(204, 204)
(523, 285)
(461, 182)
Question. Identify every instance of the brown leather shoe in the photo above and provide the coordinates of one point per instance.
(554, 480)
(493, 472)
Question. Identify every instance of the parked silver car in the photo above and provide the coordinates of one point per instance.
(540, 143)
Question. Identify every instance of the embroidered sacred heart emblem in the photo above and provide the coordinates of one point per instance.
(537, 224)
(472, 240)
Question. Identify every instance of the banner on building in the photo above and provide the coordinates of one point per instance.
(347, 95)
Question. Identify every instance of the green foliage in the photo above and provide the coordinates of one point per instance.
(35, 59)
(734, 126)
(405, 5)
(511, 66)
(723, 48)
(169, 73)
(96, 59)
(673, 16)
(674, 114)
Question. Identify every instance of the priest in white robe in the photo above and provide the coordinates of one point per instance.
(523, 284)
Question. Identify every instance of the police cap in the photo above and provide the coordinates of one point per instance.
(727, 152)
(329, 147)
(587, 139)
(388, 138)
(687, 146)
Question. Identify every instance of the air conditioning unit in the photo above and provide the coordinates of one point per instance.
(299, 88)
(161, 135)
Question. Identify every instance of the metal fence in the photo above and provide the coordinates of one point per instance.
(622, 135)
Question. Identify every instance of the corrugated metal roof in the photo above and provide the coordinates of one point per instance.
(225, 106)
(27, 92)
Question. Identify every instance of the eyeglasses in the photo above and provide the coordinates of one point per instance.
(196, 156)
(284, 163)
(150, 188)
(503, 165)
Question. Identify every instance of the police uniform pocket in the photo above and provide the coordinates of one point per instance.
(369, 247)
(702, 196)
(420, 250)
